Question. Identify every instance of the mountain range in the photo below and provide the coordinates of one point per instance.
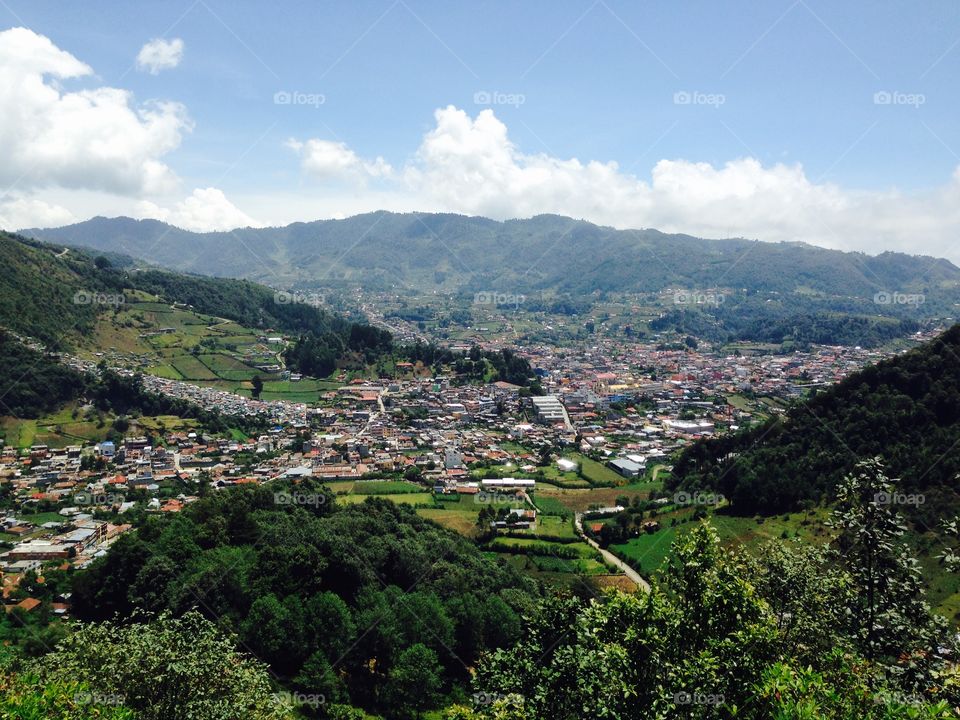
(547, 254)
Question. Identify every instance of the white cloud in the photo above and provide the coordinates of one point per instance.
(326, 160)
(93, 139)
(207, 209)
(470, 165)
(160, 54)
(23, 212)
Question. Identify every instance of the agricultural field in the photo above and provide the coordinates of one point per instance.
(179, 344)
(416, 499)
(459, 512)
(73, 426)
(649, 550)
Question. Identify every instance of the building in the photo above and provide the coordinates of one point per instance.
(549, 410)
(627, 468)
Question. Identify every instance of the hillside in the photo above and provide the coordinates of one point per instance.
(548, 252)
(905, 409)
(56, 294)
(331, 597)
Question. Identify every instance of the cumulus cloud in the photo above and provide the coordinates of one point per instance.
(160, 54)
(469, 165)
(95, 139)
(207, 209)
(328, 160)
(22, 212)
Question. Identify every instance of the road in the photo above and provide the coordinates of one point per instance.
(609, 556)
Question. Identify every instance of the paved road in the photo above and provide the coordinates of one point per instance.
(610, 557)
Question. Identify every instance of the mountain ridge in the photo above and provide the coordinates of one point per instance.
(446, 251)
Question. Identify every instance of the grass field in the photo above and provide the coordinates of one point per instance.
(226, 367)
(190, 368)
(385, 487)
(61, 429)
(422, 498)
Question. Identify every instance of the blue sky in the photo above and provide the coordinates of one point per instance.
(829, 111)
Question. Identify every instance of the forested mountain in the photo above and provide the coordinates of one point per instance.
(905, 409)
(547, 252)
(340, 601)
(54, 293)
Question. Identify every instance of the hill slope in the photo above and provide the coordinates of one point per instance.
(55, 294)
(548, 252)
(905, 409)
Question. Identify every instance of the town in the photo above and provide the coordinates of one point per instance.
(478, 458)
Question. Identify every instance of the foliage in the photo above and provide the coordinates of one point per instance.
(38, 383)
(720, 635)
(166, 668)
(906, 408)
(331, 597)
(25, 697)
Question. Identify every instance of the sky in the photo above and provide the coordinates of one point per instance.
(783, 120)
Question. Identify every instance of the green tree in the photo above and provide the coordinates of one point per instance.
(414, 682)
(889, 614)
(165, 669)
(257, 383)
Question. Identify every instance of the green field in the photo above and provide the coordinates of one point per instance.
(421, 498)
(190, 368)
(226, 367)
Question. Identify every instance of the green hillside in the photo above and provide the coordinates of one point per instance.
(905, 409)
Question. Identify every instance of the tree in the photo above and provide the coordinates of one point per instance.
(257, 383)
(27, 698)
(889, 615)
(414, 682)
(165, 669)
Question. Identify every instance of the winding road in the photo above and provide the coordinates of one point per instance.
(609, 556)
